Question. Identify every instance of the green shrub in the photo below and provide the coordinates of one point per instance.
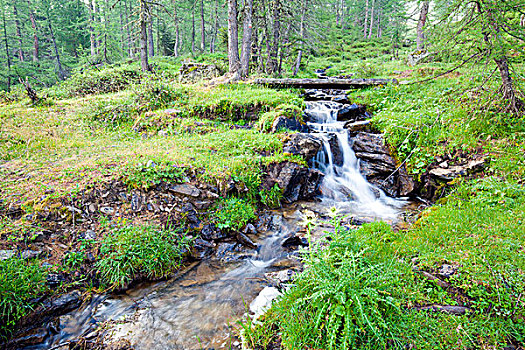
(234, 213)
(20, 281)
(154, 93)
(131, 252)
(343, 300)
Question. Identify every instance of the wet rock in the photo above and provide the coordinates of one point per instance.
(136, 202)
(351, 112)
(305, 145)
(341, 99)
(30, 254)
(315, 95)
(211, 233)
(379, 167)
(297, 182)
(335, 149)
(250, 230)
(363, 125)
(245, 240)
(6, 254)
(54, 280)
(190, 214)
(63, 304)
(202, 249)
(294, 241)
(281, 123)
(186, 190)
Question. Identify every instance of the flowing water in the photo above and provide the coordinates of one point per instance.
(198, 309)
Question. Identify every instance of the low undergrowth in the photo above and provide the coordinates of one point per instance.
(20, 281)
(128, 253)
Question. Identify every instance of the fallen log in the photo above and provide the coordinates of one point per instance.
(343, 84)
(447, 309)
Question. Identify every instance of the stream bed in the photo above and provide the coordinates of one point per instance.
(199, 308)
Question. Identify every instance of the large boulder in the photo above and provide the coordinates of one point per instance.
(302, 144)
(378, 165)
(292, 124)
(296, 181)
(191, 72)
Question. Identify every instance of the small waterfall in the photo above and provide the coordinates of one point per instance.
(344, 186)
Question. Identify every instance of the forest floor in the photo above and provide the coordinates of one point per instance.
(103, 152)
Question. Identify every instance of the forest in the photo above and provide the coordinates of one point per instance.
(262, 174)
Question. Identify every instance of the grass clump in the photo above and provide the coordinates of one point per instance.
(128, 253)
(234, 213)
(20, 281)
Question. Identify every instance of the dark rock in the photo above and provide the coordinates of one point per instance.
(335, 149)
(211, 232)
(63, 304)
(292, 124)
(305, 145)
(202, 249)
(297, 182)
(351, 112)
(363, 125)
(203, 205)
(294, 241)
(379, 167)
(190, 213)
(54, 279)
(341, 99)
(245, 240)
(186, 190)
(136, 202)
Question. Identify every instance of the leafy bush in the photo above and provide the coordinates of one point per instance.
(20, 281)
(234, 213)
(131, 252)
(149, 174)
(272, 198)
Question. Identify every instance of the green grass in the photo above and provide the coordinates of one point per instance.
(20, 281)
(130, 252)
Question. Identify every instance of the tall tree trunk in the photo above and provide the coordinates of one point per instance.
(366, 20)
(215, 27)
(6, 44)
(122, 37)
(193, 30)
(421, 25)
(371, 26)
(35, 34)
(105, 14)
(509, 93)
(92, 38)
(203, 28)
(143, 28)
(302, 35)
(233, 38)
(151, 39)
(273, 65)
(128, 30)
(177, 30)
(160, 45)
(247, 38)
(18, 34)
(379, 14)
(61, 74)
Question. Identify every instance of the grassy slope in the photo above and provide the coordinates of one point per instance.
(68, 143)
